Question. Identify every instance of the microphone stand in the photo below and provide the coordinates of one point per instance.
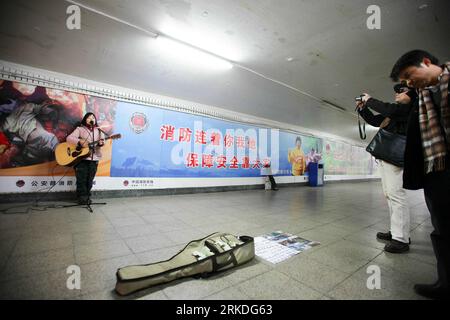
(107, 135)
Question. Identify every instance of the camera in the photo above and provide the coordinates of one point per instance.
(359, 98)
(400, 88)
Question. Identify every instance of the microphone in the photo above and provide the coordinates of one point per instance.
(91, 123)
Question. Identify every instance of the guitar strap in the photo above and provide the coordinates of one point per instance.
(91, 155)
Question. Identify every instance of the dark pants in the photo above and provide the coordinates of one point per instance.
(85, 172)
(437, 197)
(272, 182)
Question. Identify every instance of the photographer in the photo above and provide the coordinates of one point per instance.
(392, 117)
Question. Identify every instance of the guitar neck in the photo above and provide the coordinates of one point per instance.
(114, 136)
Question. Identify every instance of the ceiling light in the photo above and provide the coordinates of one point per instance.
(202, 37)
(191, 55)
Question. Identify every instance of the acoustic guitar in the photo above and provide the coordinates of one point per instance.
(68, 154)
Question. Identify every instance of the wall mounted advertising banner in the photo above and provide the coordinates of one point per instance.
(163, 143)
(155, 142)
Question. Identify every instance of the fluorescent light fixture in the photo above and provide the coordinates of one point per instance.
(191, 51)
(201, 35)
(191, 55)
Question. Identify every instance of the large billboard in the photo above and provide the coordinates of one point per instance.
(155, 142)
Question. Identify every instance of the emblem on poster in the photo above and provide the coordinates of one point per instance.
(138, 122)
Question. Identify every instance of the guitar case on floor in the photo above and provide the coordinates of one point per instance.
(216, 252)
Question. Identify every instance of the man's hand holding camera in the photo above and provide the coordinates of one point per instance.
(361, 100)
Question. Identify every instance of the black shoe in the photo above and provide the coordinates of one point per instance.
(384, 236)
(275, 189)
(395, 246)
(432, 291)
(387, 236)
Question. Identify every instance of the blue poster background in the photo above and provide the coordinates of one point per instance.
(147, 154)
(144, 151)
(136, 154)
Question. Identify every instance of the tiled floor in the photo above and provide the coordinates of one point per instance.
(37, 248)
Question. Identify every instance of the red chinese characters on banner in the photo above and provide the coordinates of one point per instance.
(240, 142)
(266, 163)
(207, 161)
(256, 164)
(228, 141)
(167, 132)
(192, 160)
(251, 143)
(234, 163)
(184, 135)
(245, 163)
(200, 137)
(221, 162)
(215, 138)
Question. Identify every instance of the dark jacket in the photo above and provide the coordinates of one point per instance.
(413, 170)
(398, 113)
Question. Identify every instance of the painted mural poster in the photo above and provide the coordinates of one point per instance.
(33, 120)
(341, 158)
(361, 162)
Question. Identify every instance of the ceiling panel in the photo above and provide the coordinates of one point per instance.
(334, 56)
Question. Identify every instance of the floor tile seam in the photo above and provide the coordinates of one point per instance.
(351, 274)
(327, 266)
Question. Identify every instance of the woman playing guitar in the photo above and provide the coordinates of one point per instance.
(86, 135)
